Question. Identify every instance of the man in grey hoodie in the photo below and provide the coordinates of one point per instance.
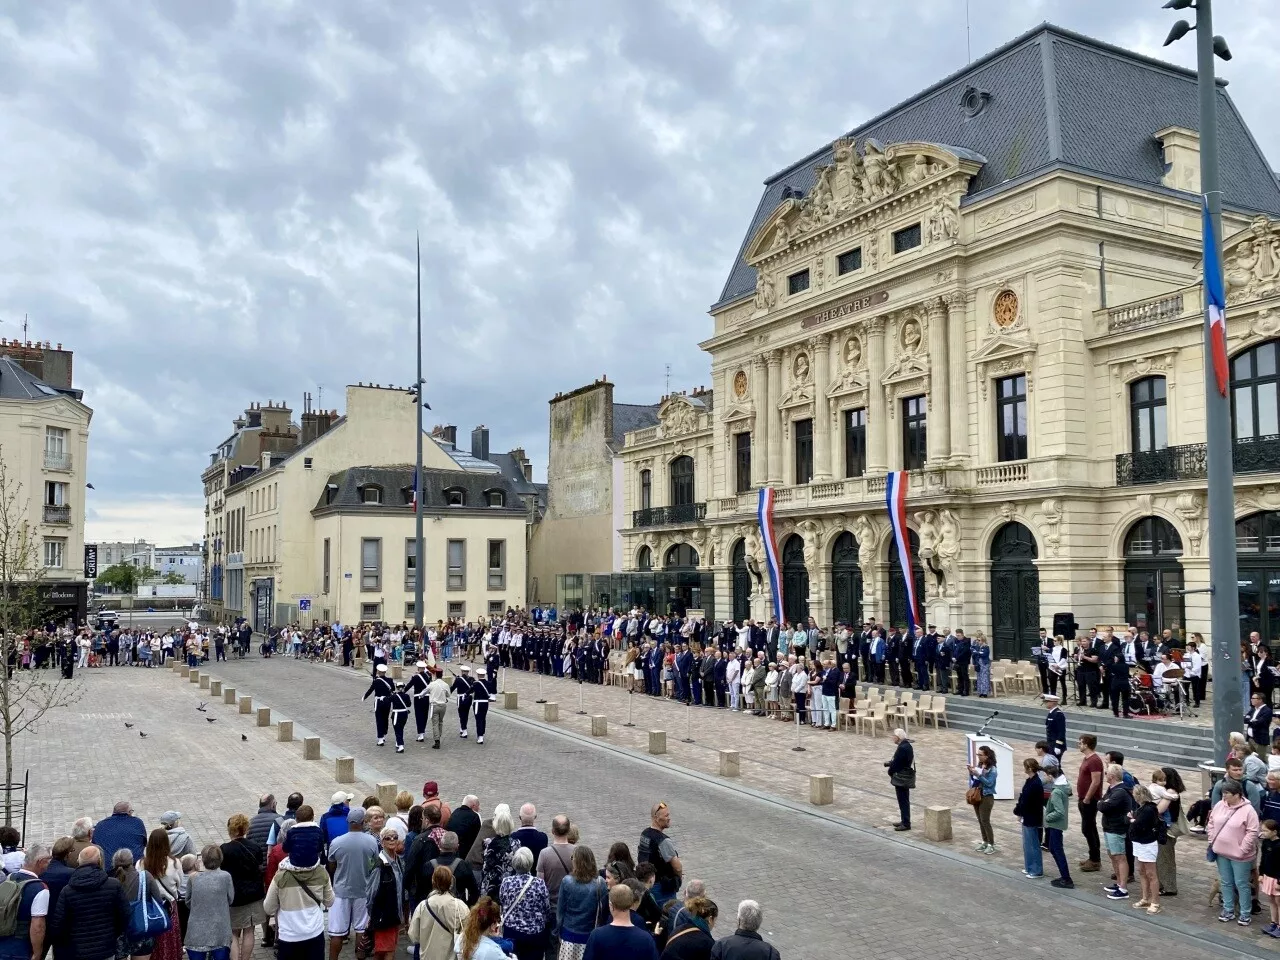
(180, 842)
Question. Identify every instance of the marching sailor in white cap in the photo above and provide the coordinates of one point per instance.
(463, 686)
(417, 688)
(485, 692)
(381, 690)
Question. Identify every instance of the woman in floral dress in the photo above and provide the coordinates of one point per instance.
(982, 662)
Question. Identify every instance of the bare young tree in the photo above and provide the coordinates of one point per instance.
(25, 695)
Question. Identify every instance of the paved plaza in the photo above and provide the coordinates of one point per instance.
(833, 883)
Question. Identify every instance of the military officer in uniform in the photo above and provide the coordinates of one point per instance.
(401, 704)
(486, 691)
(381, 690)
(417, 688)
(463, 686)
(1055, 726)
(491, 664)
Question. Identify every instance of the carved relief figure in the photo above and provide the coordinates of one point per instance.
(910, 337)
(873, 250)
(852, 352)
(801, 368)
(781, 236)
(919, 170)
(944, 221)
(1252, 270)
(947, 553)
(927, 529)
(881, 175)
(847, 183)
(819, 273)
(808, 530)
(865, 531)
(766, 296)
(679, 418)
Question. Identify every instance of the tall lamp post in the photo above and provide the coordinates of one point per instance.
(1224, 596)
(416, 391)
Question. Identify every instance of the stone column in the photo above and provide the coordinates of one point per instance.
(821, 407)
(760, 442)
(939, 383)
(959, 401)
(877, 411)
(773, 415)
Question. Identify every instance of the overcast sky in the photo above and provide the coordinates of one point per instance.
(214, 202)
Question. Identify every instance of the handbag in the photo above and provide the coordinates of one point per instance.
(973, 796)
(147, 917)
(905, 778)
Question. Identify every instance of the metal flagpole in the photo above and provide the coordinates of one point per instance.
(797, 748)
(419, 550)
(630, 694)
(688, 724)
(541, 698)
(1224, 589)
(580, 709)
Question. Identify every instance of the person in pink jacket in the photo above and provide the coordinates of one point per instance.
(1233, 841)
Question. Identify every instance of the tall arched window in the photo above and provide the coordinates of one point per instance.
(646, 489)
(795, 582)
(644, 559)
(681, 556)
(1153, 576)
(1258, 566)
(741, 582)
(682, 481)
(898, 585)
(1255, 394)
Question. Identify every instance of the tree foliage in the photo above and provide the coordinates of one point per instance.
(124, 577)
(25, 695)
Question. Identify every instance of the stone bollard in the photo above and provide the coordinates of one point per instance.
(510, 700)
(229, 695)
(264, 716)
(215, 688)
(551, 711)
(310, 748)
(657, 741)
(728, 763)
(284, 731)
(246, 704)
(386, 791)
(344, 770)
(193, 676)
(822, 788)
(937, 823)
(205, 682)
(185, 670)
(599, 726)
(175, 664)
(397, 672)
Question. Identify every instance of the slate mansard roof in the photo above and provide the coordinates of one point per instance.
(394, 481)
(1057, 100)
(17, 384)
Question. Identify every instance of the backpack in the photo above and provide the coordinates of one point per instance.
(453, 872)
(11, 903)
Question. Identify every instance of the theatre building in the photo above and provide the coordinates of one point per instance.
(995, 286)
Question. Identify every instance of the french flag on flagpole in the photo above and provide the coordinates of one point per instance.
(896, 500)
(1215, 301)
(413, 497)
(764, 514)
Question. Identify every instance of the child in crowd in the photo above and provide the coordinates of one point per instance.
(1269, 874)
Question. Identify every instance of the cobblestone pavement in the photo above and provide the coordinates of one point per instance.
(833, 883)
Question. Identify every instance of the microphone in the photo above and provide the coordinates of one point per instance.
(982, 729)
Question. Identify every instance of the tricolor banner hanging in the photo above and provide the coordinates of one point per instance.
(764, 513)
(1215, 301)
(896, 500)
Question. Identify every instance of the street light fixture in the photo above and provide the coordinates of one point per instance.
(1224, 610)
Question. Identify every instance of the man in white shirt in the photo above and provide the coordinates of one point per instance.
(34, 863)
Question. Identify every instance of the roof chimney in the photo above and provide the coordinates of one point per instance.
(480, 442)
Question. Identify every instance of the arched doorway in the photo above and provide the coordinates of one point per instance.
(898, 585)
(1015, 593)
(682, 580)
(795, 581)
(644, 559)
(1258, 566)
(846, 581)
(1153, 576)
(741, 582)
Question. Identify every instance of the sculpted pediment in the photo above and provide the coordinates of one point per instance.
(678, 415)
(855, 182)
(1004, 355)
(739, 410)
(1251, 262)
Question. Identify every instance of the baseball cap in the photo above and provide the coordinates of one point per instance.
(342, 797)
(430, 789)
(355, 815)
(170, 817)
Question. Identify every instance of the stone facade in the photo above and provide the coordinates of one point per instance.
(999, 347)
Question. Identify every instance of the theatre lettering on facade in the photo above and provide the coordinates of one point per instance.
(994, 286)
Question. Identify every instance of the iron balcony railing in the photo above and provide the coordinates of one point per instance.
(56, 514)
(1189, 462)
(662, 516)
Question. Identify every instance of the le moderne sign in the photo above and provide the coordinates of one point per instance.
(844, 308)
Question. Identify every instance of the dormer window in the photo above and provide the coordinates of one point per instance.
(455, 497)
(330, 492)
(371, 493)
(496, 498)
(798, 282)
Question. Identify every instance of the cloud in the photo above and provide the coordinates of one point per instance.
(215, 202)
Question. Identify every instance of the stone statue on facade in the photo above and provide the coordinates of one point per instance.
(944, 221)
(947, 552)
(881, 175)
(865, 531)
(766, 296)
